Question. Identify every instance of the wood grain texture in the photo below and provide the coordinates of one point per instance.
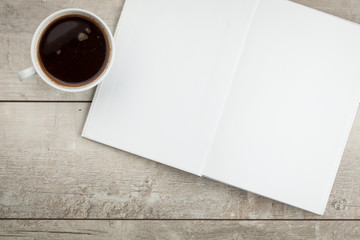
(18, 22)
(48, 171)
(199, 230)
(20, 18)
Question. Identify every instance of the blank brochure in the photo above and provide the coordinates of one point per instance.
(258, 94)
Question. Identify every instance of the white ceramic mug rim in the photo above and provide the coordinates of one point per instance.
(38, 33)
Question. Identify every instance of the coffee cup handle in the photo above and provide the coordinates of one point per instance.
(27, 73)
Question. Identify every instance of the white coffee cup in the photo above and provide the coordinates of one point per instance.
(36, 69)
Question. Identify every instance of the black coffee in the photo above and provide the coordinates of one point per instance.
(73, 50)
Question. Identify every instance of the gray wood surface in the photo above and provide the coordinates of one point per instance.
(47, 171)
(18, 22)
(199, 230)
(20, 18)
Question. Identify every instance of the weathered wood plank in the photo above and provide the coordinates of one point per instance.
(48, 171)
(208, 230)
(19, 19)
(347, 9)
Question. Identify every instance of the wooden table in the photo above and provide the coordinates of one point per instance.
(55, 184)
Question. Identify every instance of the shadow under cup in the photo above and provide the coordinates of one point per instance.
(73, 50)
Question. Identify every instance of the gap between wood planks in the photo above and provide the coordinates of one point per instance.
(183, 219)
(43, 101)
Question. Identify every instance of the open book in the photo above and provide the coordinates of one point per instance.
(257, 94)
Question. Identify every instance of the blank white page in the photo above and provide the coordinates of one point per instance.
(174, 62)
(291, 106)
